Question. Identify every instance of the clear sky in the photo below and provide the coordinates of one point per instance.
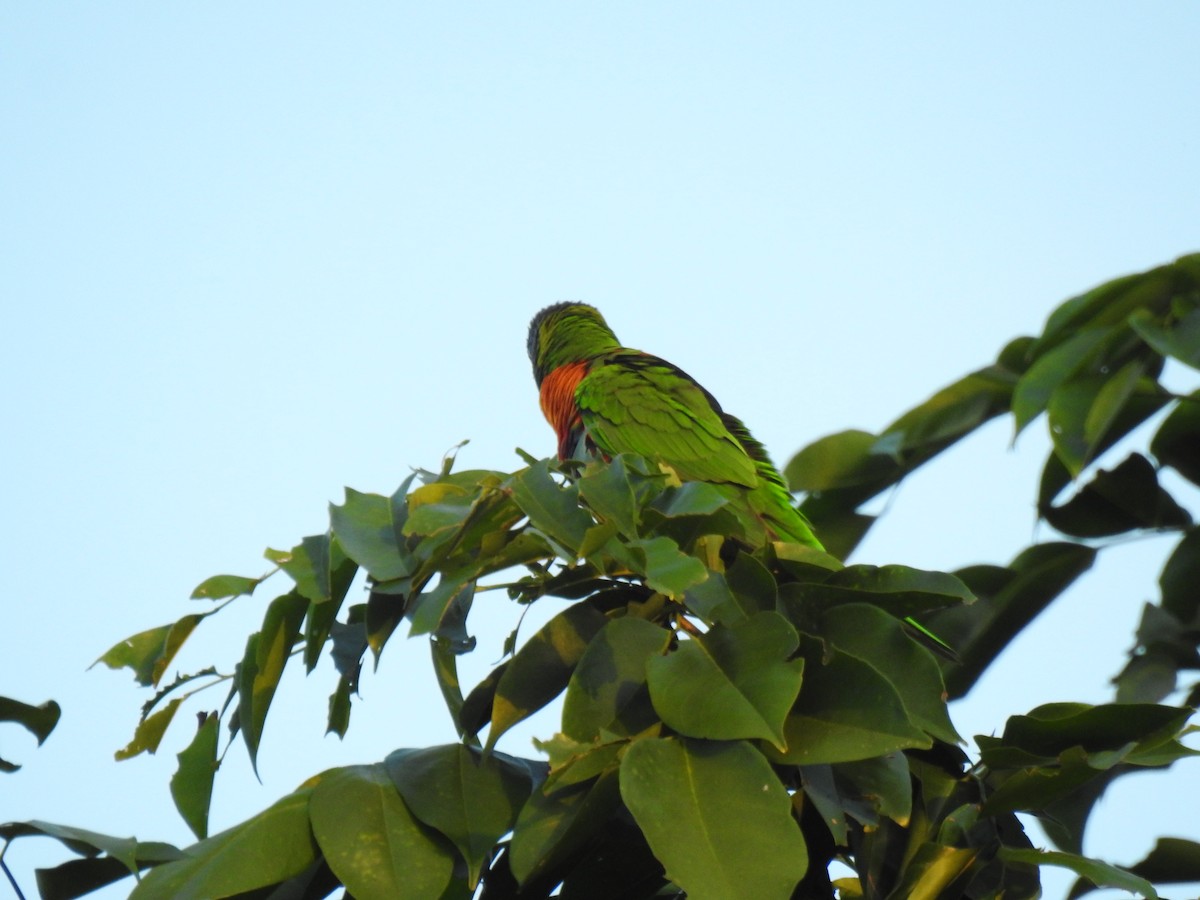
(250, 254)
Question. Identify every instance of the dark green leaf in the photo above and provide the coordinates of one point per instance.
(1127, 498)
(692, 498)
(881, 785)
(267, 849)
(1177, 442)
(607, 692)
(1173, 860)
(541, 669)
(1180, 340)
(373, 844)
(471, 799)
(1099, 873)
(39, 720)
(845, 459)
(846, 711)
(338, 721)
(1010, 598)
(1179, 578)
(610, 493)
(192, 783)
(733, 682)
(553, 828)
(880, 640)
(716, 816)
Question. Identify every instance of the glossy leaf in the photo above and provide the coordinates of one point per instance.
(734, 682)
(716, 816)
(845, 459)
(665, 567)
(1180, 339)
(373, 844)
(192, 783)
(265, 850)
(470, 798)
(607, 692)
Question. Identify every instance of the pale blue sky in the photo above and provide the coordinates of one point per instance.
(251, 255)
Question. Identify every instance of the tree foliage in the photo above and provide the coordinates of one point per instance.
(735, 716)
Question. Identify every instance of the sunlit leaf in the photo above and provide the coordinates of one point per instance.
(219, 587)
(150, 732)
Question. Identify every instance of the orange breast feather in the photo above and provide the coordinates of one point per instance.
(558, 403)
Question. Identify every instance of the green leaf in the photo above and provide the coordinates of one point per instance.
(1054, 727)
(610, 492)
(881, 785)
(148, 653)
(192, 783)
(265, 850)
(879, 640)
(845, 459)
(338, 721)
(1177, 441)
(1110, 400)
(733, 682)
(542, 667)
(370, 529)
(692, 498)
(1179, 578)
(150, 731)
(900, 590)
(38, 720)
(716, 816)
(79, 840)
(218, 587)
(1034, 389)
(1180, 340)
(271, 650)
(1099, 873)
(1172, 861)
(1010, 598)
(373, 844)
(470, 798)
(607, 692)
(1125, 499)
(667, 568)
(551, 509)
(553, 827)
(846, 711)
(936, 872)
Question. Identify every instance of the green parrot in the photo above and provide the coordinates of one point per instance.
(600, 396)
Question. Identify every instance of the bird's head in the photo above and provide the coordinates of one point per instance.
(567, 333)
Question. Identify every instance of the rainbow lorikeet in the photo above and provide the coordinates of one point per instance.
(600, 396)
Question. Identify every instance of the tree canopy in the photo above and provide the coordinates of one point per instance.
(737, 716)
